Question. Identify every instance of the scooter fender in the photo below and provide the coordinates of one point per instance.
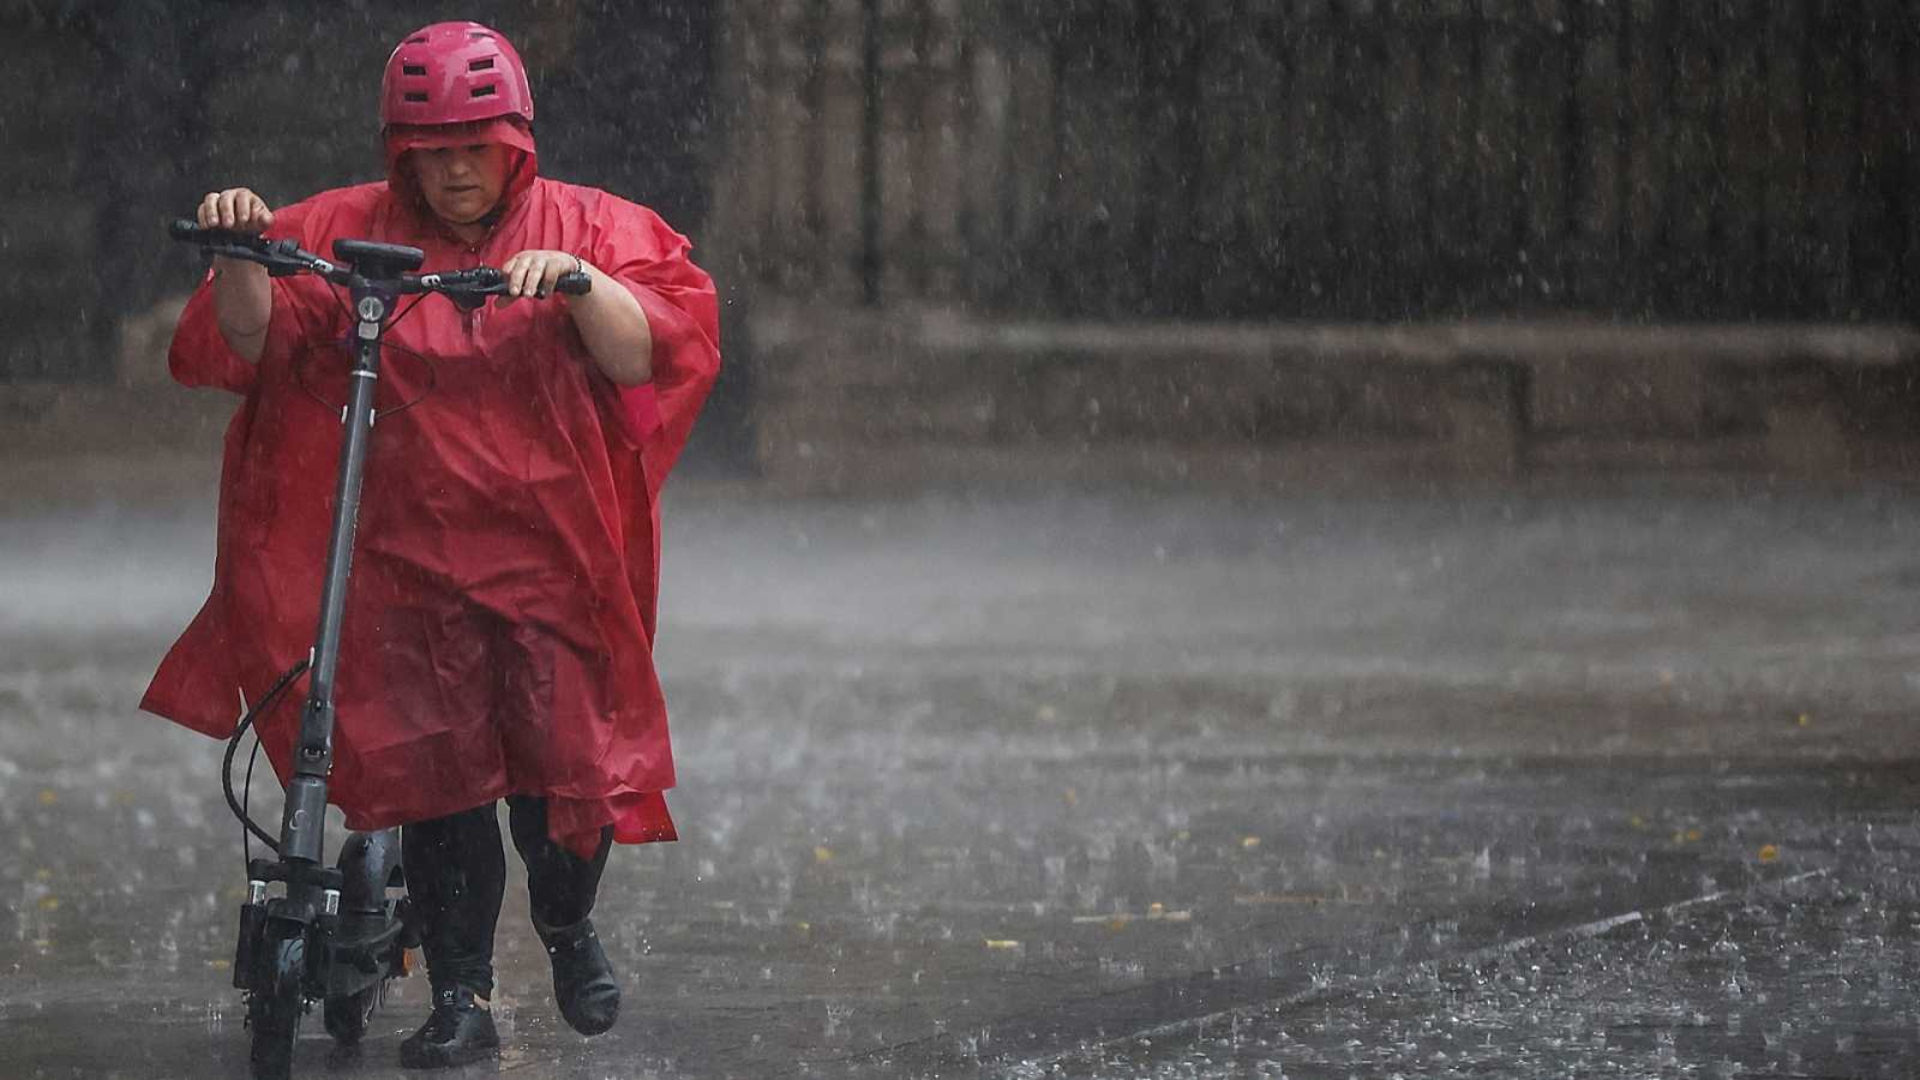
(363, 946)
(369, 862)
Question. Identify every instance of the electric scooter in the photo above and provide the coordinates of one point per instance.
(334, 934)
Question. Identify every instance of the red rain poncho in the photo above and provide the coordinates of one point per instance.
(500, 619)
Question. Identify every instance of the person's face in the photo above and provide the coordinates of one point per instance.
(461, 183)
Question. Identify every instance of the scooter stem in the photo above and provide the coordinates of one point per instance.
(303, 817)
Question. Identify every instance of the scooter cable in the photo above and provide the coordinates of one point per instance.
(300, 364)
(433, 374)
(233, 746)
(246, 802)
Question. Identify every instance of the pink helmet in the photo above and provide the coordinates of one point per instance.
(454, 73)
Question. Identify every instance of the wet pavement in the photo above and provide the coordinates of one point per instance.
(1502, 784)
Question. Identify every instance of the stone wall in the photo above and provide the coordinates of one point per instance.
(852, 400)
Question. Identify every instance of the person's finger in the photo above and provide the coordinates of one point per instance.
(252, 211)
(209, 213)
(507, 271)
(223, 217)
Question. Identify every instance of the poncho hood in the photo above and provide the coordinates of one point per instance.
(509, 131)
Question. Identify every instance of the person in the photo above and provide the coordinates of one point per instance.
(497, 640)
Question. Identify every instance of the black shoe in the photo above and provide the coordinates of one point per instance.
(457, 1032)
(583, 982)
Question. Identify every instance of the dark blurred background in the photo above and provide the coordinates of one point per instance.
(1573, 727)
(1551, 233)
(126, 112)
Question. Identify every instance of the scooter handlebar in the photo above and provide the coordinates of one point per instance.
(488, 281)
(284, 256)
(192, 233)
(280, 257)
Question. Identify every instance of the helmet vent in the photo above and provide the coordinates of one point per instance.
(417, 97)
(482, 64)
(419, 40)
(413, 69)
(485, 91)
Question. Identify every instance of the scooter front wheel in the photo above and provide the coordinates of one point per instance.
(276, 1002)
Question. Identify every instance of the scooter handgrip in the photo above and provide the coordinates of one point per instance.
(574, 283)
(192, 232)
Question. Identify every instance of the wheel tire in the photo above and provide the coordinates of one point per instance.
(347, 1017)
(274, 1008)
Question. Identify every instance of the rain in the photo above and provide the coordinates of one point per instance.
(1232, 538)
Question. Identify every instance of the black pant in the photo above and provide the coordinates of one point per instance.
(457, 873)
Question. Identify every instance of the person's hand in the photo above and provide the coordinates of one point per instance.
(533, 273)
(236, 210)
(242, 297)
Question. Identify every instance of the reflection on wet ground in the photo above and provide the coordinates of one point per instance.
(1810, 976)
(1098, 787)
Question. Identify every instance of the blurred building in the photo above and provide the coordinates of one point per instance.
(1330, 159)
(1277, 236)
